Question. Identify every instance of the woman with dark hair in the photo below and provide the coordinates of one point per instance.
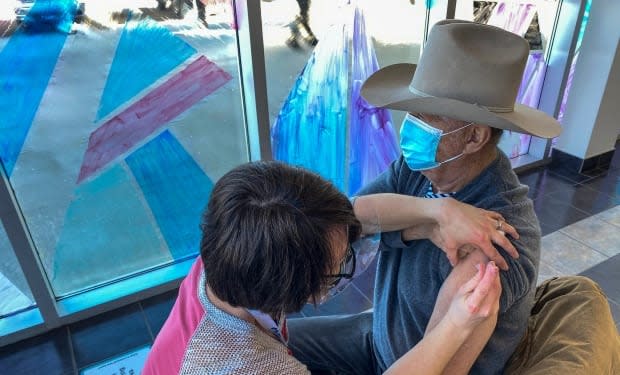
(275, 237)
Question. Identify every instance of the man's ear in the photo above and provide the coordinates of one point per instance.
(478, 137)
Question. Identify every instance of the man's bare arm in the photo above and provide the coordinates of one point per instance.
(465, 357)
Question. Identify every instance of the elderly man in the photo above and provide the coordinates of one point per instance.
(458, 99)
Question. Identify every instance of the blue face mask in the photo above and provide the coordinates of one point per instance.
(419, 142)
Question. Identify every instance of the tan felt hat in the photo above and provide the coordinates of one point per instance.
(469, 72)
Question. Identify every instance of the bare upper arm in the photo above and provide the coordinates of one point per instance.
(465, 357)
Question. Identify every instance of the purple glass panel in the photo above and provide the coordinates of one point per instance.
(311, 127)
(372, 141)
(514, 17)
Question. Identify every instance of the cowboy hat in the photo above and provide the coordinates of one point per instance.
(469, 72)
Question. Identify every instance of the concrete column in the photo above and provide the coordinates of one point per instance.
(591, 121)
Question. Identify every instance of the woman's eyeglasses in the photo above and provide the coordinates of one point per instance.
(345, 274)
(359, 256)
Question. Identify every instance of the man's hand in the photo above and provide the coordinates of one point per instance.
(462, 228)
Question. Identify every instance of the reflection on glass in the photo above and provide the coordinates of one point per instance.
(119, 122)
(534, 21)
(15, 294)
(571, 72)
(315, 64)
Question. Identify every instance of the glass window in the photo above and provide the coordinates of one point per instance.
(571, 71)
(317, 55)
(116, 120)
(15, 295)
(532, 19)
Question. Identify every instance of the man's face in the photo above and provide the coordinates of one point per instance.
(450, 145)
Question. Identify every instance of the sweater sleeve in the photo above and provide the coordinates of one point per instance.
(498, 189)
(520, 279)
(386, 182)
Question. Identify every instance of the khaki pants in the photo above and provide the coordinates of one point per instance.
(571, 331)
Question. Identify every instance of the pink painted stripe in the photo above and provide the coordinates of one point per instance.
(144, 117)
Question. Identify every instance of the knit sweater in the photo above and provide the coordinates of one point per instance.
(199, 338)
(409, 275)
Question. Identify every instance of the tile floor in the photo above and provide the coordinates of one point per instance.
(579, 215)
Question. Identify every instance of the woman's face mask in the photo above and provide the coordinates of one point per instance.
(419, 142)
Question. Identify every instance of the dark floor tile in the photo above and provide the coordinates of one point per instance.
(555, 214)
(543, 182)
(109, 334)
(573, 175)
(607, 275)
(366, 281)
(49, 353)
(585, 199)
(608, 183)
(547, 229)
(157, 309)
(350, 301)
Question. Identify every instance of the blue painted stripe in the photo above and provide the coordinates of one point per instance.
(107, 233)
(26, 65)
(146, 52)
(176, 189)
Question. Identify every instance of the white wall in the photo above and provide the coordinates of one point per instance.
(607, 124)
(592, 118)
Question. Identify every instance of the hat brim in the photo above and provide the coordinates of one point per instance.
(389, 88)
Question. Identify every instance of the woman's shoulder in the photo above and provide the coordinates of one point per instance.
(215, 349)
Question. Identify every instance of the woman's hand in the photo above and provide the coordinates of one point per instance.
(461, 228)
(477, 300)
(474, 306)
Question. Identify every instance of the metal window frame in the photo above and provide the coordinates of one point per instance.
(51, 313)
(251, 52)
(22, 246)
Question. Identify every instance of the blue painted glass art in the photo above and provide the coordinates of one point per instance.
(317, 121)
